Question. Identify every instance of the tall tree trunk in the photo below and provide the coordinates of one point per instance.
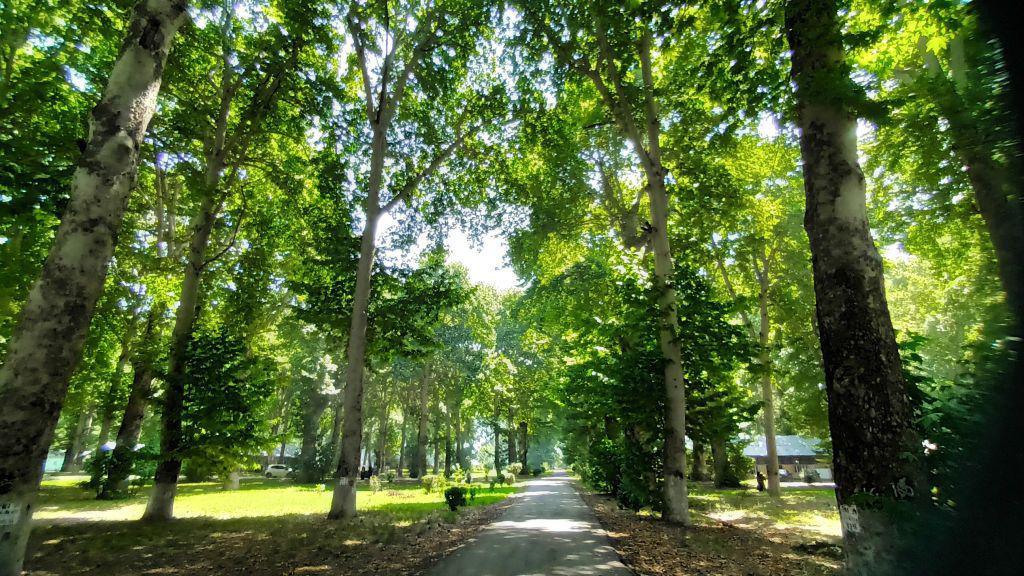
(113, 393)
(511, 433)
(76, 440)
(720, 458)
(497, 448)
(401, 444)
(116, 482)
(767, 390)
(165, 484)
(336, 433)
(447, 444)
(315, 407)
(424, 415)
(460, 455)
(343, 501)
(698, 469)
(869, 413)
(382, 436)
(524, 445)
(46, 345)
(675, 493)
(437, 453)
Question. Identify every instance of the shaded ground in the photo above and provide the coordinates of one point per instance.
(766, 546)
(266, 528)
(546, 530)
(802, 515)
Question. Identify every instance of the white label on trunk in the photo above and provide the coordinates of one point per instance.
(9, 513)
(850, 517)
(343, 481)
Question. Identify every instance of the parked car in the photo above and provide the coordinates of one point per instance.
(277, 471)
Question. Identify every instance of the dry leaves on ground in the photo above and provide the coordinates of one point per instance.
(652, 547)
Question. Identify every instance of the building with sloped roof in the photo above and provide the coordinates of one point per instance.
(798, 456)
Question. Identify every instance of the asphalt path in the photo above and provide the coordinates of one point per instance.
(548, 530)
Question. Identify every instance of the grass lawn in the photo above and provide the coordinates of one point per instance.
(265, 527)
(801, 514)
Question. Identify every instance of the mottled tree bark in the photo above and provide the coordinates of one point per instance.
(47, 342)
(343, 502)
(869, 412)
(646, 142)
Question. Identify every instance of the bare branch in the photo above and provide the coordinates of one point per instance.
(360, 50)
(429, 170)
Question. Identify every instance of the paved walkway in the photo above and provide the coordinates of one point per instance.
(549, 530)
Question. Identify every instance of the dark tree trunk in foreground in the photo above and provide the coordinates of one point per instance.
(47, 342)
(869, 412)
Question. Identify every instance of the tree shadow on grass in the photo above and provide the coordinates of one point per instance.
(297, 543)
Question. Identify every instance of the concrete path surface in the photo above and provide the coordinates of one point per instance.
(548, 530)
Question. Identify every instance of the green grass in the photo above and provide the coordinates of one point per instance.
(60, 499)
(805, 512)
(266, 527)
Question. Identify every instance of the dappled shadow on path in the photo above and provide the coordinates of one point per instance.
(548, 530)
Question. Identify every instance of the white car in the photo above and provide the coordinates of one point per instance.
(276, 471)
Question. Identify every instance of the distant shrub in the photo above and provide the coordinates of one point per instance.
(510, 479)
(455, 497)
(500, 478)
(390, 475)
(472, 493)
(433, 483)
(492, 485)
(537, 472)
(515, 468)
(811, 475)
(375, 484)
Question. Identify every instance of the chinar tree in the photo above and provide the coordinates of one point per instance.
(254, 64)
(47, 342)
(875, 447)
(410, 67)
(614, 47)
